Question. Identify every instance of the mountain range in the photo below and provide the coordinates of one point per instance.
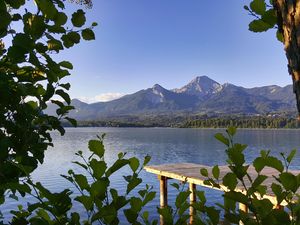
(200, 96)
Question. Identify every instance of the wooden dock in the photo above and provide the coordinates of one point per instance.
(190, 173)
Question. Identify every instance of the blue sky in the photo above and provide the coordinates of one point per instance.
(143, 42)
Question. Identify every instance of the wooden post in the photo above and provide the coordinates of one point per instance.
(243, 208)
(192, 200)
(163, 194)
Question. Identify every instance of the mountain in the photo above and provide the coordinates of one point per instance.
(200, 87)
(201, 95)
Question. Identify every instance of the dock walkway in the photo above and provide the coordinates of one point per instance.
(190, 173)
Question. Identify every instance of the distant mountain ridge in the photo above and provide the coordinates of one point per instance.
(200, 96)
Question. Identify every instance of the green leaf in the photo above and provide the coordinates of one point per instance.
(259, 26)
(258, 6)
(86, 201)
(15, 3)
(64, 95)
(270, 17)
(78, 18)
(98, 168)
(116, 166)
(72, 121)
(94, 24)
(231, 131)
(204, 172)
(34, 25)
(74, 37)
(81, 181)
(134, 182)
(88, 34)
(289, 181)
(230, 181)
(291, 156)
(134, 164)
(55, 45)
(216, 172)
(181, 198)
(97, 147)
(149, 197)
(259, 164)
(279, 36)
(48, 8)
(99, 188)
(259, 180)
(66, 64)
(60, 19)
(146, 160)
(220, 137)
(175, 185)
(275, 163)
(236, 196)
(23, 41)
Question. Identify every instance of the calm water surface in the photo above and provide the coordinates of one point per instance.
(165, 145)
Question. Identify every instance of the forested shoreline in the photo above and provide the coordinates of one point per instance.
(262, 122)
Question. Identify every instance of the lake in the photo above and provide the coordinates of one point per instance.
(165, 145)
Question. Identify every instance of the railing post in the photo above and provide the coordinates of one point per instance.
(192, 188)
(243, 208)
(163, 194)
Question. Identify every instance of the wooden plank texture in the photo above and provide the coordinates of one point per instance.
(190, 172)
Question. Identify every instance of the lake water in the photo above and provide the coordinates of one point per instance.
(165, 145)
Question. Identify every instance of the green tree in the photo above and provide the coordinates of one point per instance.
(30, 34)
(283, 15)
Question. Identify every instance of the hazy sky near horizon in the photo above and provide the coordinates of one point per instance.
(170, 42)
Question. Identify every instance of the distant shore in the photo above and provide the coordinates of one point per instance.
(215, 122)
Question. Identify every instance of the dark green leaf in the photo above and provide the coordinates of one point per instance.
(97, 147)
(204, 172)
(258, 6)
(220, 137)
(82, 182)
(66, 64)
(230, 181)
(259, 164)
(259, 26)
(274, 163)
(48, 8)
(149, 197)
(231, 131)
(86, 201)
(216, 172)
(289, 182)
(64, 95)
(78, 18)
(291, 156)
(181, 198)
(72, 121)
(98, 168)
(88, 34)
(54, 45)
(60, 19)
(134, 182)
(134, 164)
(116, 166)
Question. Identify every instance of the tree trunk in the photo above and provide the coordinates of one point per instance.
(288, 14)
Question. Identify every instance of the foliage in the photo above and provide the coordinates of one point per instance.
(100, 201)
(261, 210)
(243, 122)
(265, 17)
(30, 36)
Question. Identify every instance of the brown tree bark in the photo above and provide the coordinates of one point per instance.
(288, 14)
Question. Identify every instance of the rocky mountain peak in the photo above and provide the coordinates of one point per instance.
(200, 86)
